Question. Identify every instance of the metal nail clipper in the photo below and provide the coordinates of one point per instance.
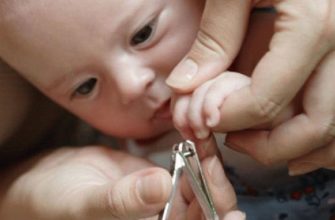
(185, 159)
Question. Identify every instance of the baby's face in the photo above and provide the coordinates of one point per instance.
(107, 60)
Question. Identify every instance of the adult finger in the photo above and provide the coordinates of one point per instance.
(311, 129)
(222, 192)
(205, 149)
(220, 36)
(319, 158)
(304, 34)
(140, 194)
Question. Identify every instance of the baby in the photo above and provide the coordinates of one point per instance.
(107, 62)
(116, 82)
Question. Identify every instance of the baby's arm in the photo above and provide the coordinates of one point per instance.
(194, 114)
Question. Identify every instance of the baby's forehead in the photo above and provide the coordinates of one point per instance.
(27, 8)
(18, 11)
(17, 7)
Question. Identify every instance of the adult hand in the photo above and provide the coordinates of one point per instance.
(185, 204)
(300, 60)
(84, 183)
(91, 183)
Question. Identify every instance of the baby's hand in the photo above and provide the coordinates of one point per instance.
(195, 114)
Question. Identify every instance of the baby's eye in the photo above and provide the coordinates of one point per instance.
(86, 88)
(142, 35)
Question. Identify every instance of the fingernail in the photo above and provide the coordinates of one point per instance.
(150, 188)
(203, 146)
(202, 134)
(212, 121)
(236, 214)
(216, 171)
(183, 73)
(235, 147)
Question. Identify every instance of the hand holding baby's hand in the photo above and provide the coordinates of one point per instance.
(299, 63)
(222, 192)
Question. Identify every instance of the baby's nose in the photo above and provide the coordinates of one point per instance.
(133, 83)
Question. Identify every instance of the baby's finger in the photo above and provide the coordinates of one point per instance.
(195, 114)
(141, 194)
(285, 68)
(223, 85)
(179, 110)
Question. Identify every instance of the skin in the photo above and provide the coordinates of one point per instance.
(43, 54)
(32, 54)
(60, 49)
(130, 79)
(95, 182)
(299, 62)
(195, 114)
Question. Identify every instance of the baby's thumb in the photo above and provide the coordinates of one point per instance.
(218, 41)
(138, 195)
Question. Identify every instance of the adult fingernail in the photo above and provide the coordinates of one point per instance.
(183, 74)
(235, 215)
(235, 147)
(151, 188)
(216, 171)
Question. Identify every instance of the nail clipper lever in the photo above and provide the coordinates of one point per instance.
(185, 159)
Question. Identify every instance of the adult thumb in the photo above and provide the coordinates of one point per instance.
(138, 195)
(219, 38)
